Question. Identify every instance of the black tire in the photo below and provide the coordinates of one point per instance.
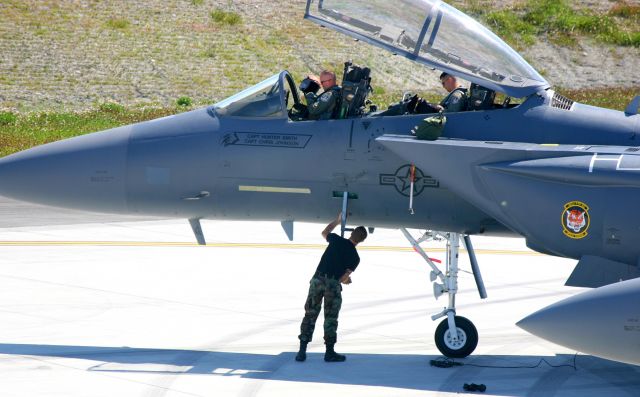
(467, 333)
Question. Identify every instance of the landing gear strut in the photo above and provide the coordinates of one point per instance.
(455, 336)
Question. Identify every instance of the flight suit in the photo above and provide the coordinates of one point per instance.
(456, 101)
(324, 106)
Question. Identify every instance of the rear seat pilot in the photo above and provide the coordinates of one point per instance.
(456, 101)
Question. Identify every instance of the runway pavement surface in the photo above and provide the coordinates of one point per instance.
(137, 309)
(19, 213)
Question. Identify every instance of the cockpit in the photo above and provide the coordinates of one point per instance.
(429, 32)
(278, 97)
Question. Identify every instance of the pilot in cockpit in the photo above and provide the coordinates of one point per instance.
(456, 101)
(324, 106)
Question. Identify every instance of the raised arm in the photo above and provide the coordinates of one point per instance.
(331, 226)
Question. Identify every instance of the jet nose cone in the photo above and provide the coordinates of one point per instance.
(85, 172)
(604, 322)
(540, 324)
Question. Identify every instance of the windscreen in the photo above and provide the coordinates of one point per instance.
(261, 100)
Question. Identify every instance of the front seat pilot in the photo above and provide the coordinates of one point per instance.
(324, 106)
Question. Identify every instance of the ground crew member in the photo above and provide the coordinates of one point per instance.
(339, 260)
(456, 101)
(324, 106)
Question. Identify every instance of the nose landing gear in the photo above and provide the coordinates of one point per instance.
(455, 336)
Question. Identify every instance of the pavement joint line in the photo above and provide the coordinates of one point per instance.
(243, 245)
(56, 361)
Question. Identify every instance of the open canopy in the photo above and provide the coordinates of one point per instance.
(435, 34)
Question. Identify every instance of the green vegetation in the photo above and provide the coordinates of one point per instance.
(7, 118)
(184, 101)
(607, 97)
(625, 10)
(117, 23)
(110, 107)
(197, 2)
(225, 17)
(22, 131)
(31, 129)
(562, 24)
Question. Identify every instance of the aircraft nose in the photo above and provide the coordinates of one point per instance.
(86, 172)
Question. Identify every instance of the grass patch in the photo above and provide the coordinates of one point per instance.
(606, 97)
(113, 108)
(625, 10)
(184, 101)
(511, 27)
(7, 118)
(225, 17)
(117, 23)
(561, 23)
(32, 129)
(197, 2)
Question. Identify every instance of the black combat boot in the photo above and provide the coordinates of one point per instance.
(331, 356)
(302, 353)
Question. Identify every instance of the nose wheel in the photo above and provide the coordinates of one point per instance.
(462, 344)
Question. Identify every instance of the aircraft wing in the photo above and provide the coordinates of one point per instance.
(575, 201)
(435, 34)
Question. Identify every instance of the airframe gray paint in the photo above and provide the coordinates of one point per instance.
(604, 322)
(525, 186)
(87, 172)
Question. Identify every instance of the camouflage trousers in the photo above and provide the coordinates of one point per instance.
(330, 290)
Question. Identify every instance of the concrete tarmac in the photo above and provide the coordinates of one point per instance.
(15, 213)
(138, 309)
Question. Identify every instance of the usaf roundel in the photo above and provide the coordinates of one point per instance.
(575, 219)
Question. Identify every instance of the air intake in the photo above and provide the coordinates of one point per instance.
(560, 102)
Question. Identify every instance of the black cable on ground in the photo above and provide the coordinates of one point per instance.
(446, 362)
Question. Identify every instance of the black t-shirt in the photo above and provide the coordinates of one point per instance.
(339, 256)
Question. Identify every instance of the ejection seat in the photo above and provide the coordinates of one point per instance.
(356, 86)
(480, 98)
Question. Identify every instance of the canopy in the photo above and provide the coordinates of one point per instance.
(435, 34)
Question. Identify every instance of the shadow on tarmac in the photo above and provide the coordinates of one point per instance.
(591, 376)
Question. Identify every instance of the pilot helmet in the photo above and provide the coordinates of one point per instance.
(309, 85)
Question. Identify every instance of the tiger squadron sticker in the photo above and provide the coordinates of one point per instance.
(575, 220)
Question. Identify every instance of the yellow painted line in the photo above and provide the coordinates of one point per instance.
(549, 144)
(238, 245)
(274, 189)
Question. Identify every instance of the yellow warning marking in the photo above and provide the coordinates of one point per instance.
(238, 245)
(549, 144)
(274, 189)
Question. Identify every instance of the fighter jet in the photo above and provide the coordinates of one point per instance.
(503, 169)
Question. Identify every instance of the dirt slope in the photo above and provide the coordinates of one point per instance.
(76, 53)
